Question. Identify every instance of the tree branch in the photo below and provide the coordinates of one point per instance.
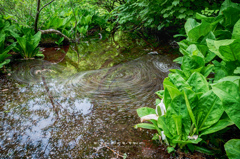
(57, 32)
(46, 5)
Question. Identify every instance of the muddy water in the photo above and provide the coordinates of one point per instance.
(81, 109)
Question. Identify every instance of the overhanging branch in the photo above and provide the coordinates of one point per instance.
(46, 5)
(56, 32)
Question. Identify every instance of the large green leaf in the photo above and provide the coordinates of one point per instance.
(178, 107)
(172, 89)
(195, 30)
(36, 39)
(221, 124)
(188, 141)
(171, 124)
(145, 126)
(209, 110)
(145, 111)
(163, 125)
(236, 31)
(228, 50)
(234, 79)
(178, 122)
(28, 44)
(190, 110)
(22, 42)
(166, 98)
(198, 82)
(194, 50)
(178, 81)
(192, 64)
(232, 148)
(222, 34)
(229, 94)
(207, 70)
(231, 12)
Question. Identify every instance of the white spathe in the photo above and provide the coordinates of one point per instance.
(149, 117)
(155, 116)
(162, 107)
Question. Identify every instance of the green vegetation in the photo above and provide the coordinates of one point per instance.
(28, 45)
(4, 51)
(192, 104)
(198, 100)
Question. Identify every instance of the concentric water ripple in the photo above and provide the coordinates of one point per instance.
(124, 81)
(32, 70)
(61, 113)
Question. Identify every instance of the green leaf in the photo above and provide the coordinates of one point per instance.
(145, 111)
(188, 141)
(236, 31)
(192, 64)
(178, 82)
(163, 125)
(222, 34)
(175, 2)
(232, 148)
(221, 124)
(160, 26)
(155, 137)
(228, 50)
(190, 111)
(172, 89)
(4, 63)
(178, 122)
(181, 10)
(198, 83)
(234, 79)
(209, 110)
(181, 16)
(195, 30)
(207, 70)
(160, 93)
(237, 70)
(145, 126)
(229, 93)
(22, 42)
(209, 57)
(231, 12)
(170, 149)
(179, 108)
(190, 24)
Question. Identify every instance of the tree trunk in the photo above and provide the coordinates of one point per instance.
(38, 12)
(37, 16)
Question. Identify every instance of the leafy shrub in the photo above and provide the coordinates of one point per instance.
(4, 51)
(192, 104)
(157, 14)
(28, 45)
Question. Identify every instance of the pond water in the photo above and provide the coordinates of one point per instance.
(82, 105)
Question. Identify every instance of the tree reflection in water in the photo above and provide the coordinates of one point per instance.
(64, 113)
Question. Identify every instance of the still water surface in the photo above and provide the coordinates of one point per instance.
(75, 106)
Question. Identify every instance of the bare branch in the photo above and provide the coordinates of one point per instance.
(55, 31)
(46, 5)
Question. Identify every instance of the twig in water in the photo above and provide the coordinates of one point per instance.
(113, 151)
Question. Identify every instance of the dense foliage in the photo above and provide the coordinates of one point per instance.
(163, 13)
(192, 104)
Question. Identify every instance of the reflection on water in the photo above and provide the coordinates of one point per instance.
(51, 110)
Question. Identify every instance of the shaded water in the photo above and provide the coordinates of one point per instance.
(76, 110)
